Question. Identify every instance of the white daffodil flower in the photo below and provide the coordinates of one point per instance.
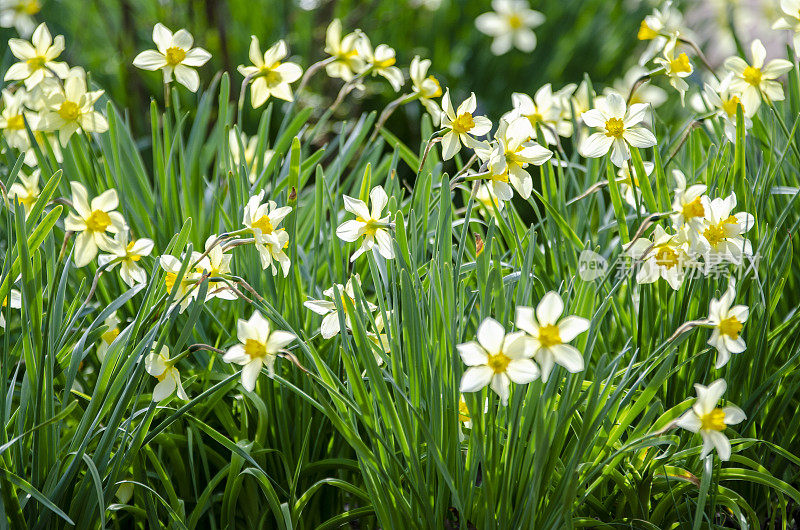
(723, 101)
(214, 264)
(726, 321)
(462, 125)
(248, 157)
(488, 200)
(14, 301)
(269, 76)
(665, 256)
(496, 359)
(19, 14)
(36, 58)
(263, 220)
(169, 378)
(512, 153)
(677, 68)
(621, 128)
(92, 222)
(327, 308)
(511, 23)
(790, 19)
(549, 336)
(368, 223)
(755, 80)
(628, 182)
(13, 117)
(26, 191)
(175, 56)
(543, 111)
(687, 205)
(187, 288)
(72, 110)
(345, 62)
(128, 253)
(723, 230)
(709, 420)
(426, 87)
(658, 28)
(111, 322)
(380, 61)
(258, 346)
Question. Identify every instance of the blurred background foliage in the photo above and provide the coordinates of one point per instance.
(593, 36)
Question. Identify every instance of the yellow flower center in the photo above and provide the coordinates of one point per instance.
(98, 221)
(463, 123)
(535, 118)
(175, 55)
(680, 64)
(713, 421)
(463, 411)
(28, 200)
(31, 7)
(130, 255)
(386, 63)
(169, 281)
(666, 256)
(498, 363)
(515, 21)
(730, 105)
(715, 234)
(272, 77)
(109, 336)
(693, 209)
(15, 122)
(263, 224)
(645, 33)
(503, 177)
(371, 227)
(162, 376)
(549, 336)
(438, 92)
(69, 111)
(35, 63)
(254, 349)
(615, 127)
(731, 327)
(752, 75)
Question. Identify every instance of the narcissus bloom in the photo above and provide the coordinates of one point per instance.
(26, 191)
(19, 15)
(758, 79)
(186, 290)
(709, 420)
(790, 19)
(258, 346)
(488, 200)
(169, 378)
(426, 87)
(37, 59)
(461, 125)
(269, 76)
(369, 223)
(665, 255)
(175, 55)
(621, 128)
(687, 206)
(657, 28)
(549, 336)
(248, 157)
(327, 308)
(92, 222)
(512, 153)
(13, 117)
(629, 184)
(726, 321)
(724, 102)
(723, 231)
(214, 264)
(112, 332)
(380, 61)
(511, 24)
(128, 253)
(496, 359)
(544, 111)
(14, 301)
(677, 67)
(345, 63)
(263, 220)
(72, 110)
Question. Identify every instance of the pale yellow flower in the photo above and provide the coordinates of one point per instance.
(269, 76)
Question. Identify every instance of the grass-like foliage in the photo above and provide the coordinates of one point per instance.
(574, 316)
